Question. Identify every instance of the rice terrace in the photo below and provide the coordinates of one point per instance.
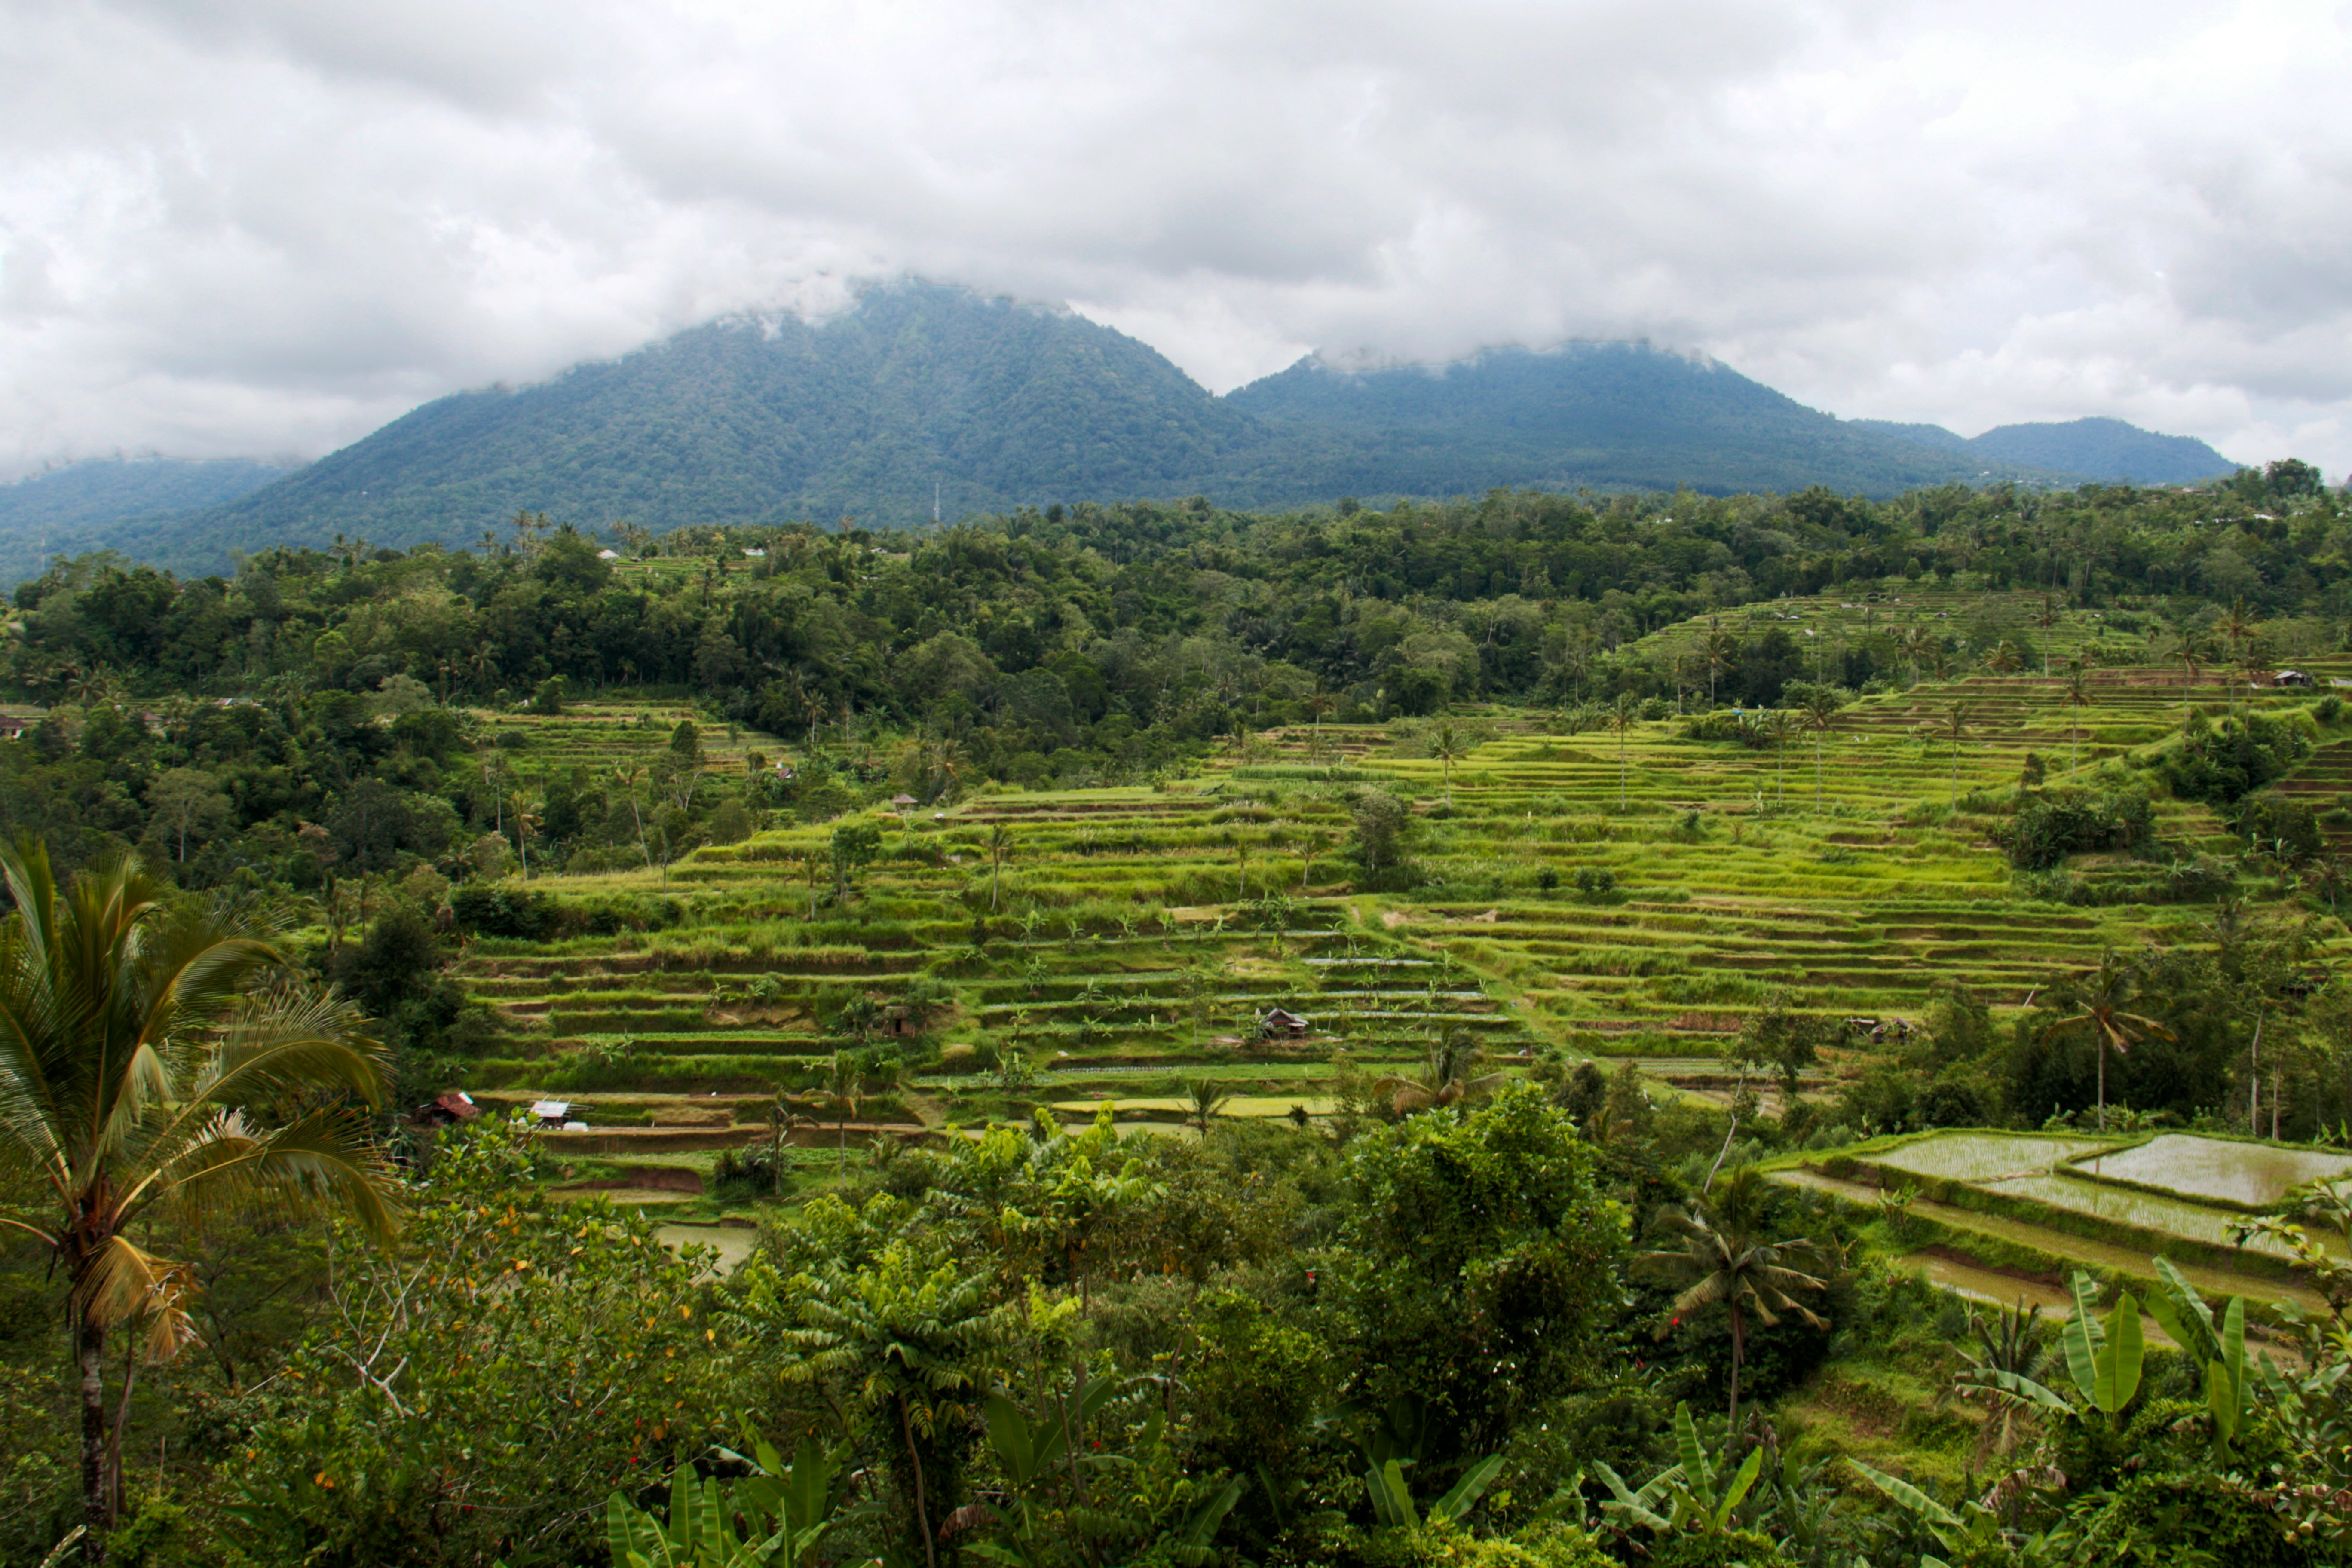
(1867, 1007)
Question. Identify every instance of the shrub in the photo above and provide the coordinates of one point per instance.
(2049, 828)
(2224, 762)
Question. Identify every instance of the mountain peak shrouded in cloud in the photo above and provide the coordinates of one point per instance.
(2094, 447)
(928, 396)
(245, 225)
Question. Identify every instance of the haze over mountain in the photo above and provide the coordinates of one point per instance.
(929, 397)
(2095, 449)
(90, 505)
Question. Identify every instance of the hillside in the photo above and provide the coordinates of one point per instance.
(1604, 415)
(2102, 448)
(74, 508)
(927, 392)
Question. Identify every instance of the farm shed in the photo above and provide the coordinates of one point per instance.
(1279, 1023)
(2291, 678)
(447, 1109)
(550, 1112)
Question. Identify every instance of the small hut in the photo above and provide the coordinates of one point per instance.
(903, 801)
(551, 1113)
(1281, 1024)
(447, 1109)
(2291, 678)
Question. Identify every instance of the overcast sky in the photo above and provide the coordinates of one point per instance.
(264, 228)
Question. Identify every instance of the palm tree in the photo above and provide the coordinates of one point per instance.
(1446, 1076)
(1203, 1098)
(1310, 843)
(2076, 696)
(1000, 850)
(2236, 630)
(1719, 652)
(2046, 620)
(1619, 718)
(1776, 725)
(845, 1077)
(2003, 659)
(1447, 748)
(137, 1047)
(1728, 1267)
(2013, 1345)
(1954, 727)
(2102, 995)
(2192, 651)
(527, 820)
(1819, 709)
(629, 775)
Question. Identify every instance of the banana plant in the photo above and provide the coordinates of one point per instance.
(1973, 1534)
(1685, 1496)
(1392, 1501)
(2221, 1350)
(2103, 1360)
(793, 1505)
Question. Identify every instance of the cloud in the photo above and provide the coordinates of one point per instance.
(267, 225)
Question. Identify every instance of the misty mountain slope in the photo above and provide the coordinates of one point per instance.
(745, 422)
(1608, 415)
(83, 506)
(2106, 449)
(1000, 405)
(1925, 435)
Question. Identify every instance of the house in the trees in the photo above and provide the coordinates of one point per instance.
(447, 1109)
(1281, 1024)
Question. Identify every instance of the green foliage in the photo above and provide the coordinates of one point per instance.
(1481, 1234)
(2049, 828)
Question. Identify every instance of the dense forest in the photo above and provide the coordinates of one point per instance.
(1489, 1311)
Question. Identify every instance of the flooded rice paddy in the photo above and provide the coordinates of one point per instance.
(733, 1243)
(2253, 1174)
(1975, 1157)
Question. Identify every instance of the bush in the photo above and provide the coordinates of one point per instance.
(2049, 828)
(2224, 762)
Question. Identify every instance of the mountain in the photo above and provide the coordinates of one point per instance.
(1608, 415)
(2107, 449)
(1925, 435)
(2096, 448)
(925, 394)
(83, 506)
(757, 422)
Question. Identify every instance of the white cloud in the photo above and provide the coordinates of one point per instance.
(267, 225)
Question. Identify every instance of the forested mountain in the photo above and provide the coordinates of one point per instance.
(927, 395)
(1604, 415)
(75, 507)
(2096, 448)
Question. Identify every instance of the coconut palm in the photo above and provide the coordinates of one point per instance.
(1311, 843)
(137, 1047)
(2011, 1345)
(2045, 620)
(2003, 659)
(1818, 710)
(1448, 748)
(1776, 725)
(1000, 850)
(1448, 1075)
(1204, 1098)
(2077, 697)
(1953, 727)
(2102, 996)
(1719, 1263)
(629, 775)
(1718, 651)
(1619, 718)
(527, 819)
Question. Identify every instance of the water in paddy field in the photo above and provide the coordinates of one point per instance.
(1976, 1157)
(2172, 1216)
(733, 1243)
(2249, 1173)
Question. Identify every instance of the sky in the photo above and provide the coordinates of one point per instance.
(263, 227)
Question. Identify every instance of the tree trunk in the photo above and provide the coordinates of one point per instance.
(922, 1514)
(1738, 1352)
(97, 1487)
(2102, 1085)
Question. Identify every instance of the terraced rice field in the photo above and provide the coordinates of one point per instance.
(2020, 1198)
(1630, 896)
(2217, 1169)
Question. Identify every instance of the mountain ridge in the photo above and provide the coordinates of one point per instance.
(928, 396)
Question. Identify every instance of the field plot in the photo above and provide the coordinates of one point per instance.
(2217, 1169)
(2023, 1195)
